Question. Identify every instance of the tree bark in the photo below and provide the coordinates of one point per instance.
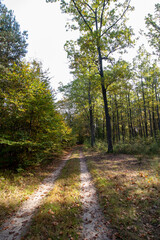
(118, 128)
(144, 107)
(108, 121)
(104, 93)
(123, 128)
(153, 115)
(157, 106)
(91, 116)
(150, 120)
(140, 118)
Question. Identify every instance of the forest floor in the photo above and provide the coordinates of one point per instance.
(128, 189)
(66, 206)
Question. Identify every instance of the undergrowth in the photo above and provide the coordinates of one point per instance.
(128, 191)
(137, 146)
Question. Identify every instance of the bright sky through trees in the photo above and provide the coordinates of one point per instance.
(47, 35)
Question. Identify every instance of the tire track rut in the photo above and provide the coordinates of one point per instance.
(94, 224)
(16, 226)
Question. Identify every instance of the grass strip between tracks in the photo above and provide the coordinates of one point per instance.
(59, 215)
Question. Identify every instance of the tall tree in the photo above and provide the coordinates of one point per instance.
(30, 126)
(153, 25)
(12, 41)
(103, 27)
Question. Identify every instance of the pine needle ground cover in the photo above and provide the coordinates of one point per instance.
(59, 216)
(128, 190)
(16, 187)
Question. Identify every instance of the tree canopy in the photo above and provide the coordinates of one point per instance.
(13, 45)
(31, 128)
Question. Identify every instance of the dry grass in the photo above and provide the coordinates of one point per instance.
(59, 216)
(16, 187)
(129, 190)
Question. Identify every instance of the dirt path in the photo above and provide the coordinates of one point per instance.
(15, 227)
(94, 226)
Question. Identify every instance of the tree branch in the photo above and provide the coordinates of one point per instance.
(89, 6)
(117, 19)
(80, 13)
(156, 27)
(104, 4)
(113, 50)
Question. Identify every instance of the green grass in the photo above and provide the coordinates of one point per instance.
(143, 147)
(16, 187)
(139, 146)
(59, 216)
(128, 193)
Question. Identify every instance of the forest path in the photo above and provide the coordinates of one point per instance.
(93, 222)
(94, 226)
(16, 226)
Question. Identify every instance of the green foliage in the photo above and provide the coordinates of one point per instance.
(103, 31)
(138, 146)
(12, 40)
(153, 25)
(31, 127)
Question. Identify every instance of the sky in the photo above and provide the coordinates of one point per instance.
(47, 34)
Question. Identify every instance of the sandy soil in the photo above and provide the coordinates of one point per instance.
(94, 226)
(17, 226)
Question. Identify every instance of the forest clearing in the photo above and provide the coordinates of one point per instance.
(86, 165)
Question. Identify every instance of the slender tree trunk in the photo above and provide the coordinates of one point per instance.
(130, 125)
(123, 128)
(157, 106)
(103, 132)
(144, 107)
(104, 93)
(153, 115)
(150, 120)
(113, 127)
(108, 121)
(118, 129)
(92, 127)
(154, 124)
(91, 116)
(140, 118)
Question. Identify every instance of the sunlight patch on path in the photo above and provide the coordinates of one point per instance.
(94, 226)
(15, 227)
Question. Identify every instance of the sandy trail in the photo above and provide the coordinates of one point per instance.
(15, 227)
(94, 226)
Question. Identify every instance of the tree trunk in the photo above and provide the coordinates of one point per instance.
(153, 116)
(123, 128)
(144, 107)
(140, 118)
(108, 120)
(92, 127)
(113, 127)
(130, 125)
(118, 129)
(91, 116)
(157, 107)
(150, 120)
(103, 133)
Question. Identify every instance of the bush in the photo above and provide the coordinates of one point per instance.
(145, 147)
